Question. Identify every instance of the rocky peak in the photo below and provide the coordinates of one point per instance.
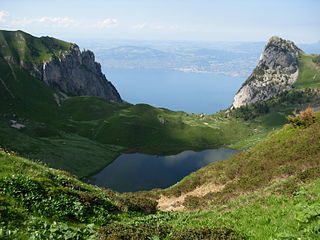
(276, 72)
(280, 53)
(77, 73)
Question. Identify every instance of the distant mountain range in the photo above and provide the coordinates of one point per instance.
(229, 58)
(202, 60)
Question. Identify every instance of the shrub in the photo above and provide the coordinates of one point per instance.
(130, 202)
(304, 119)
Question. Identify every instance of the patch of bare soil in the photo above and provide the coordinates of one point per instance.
(176, 203)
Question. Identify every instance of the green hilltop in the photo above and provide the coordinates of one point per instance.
(22, 46)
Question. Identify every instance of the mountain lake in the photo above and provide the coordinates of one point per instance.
(136, 172)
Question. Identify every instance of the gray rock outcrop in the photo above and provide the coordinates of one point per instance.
(74, 74)
(276, 72)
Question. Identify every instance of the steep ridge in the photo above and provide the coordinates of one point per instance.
(59, 64)
(275, 73)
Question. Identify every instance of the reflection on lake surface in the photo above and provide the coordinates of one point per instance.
(136, 171)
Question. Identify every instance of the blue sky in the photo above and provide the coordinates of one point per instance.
(196, 20)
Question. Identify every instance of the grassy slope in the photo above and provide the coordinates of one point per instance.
(309, 72)
(41, 203)
(271, 192)
(286, 153)
(142, 126)
(43, 139)
(17, 93)
(266, 215)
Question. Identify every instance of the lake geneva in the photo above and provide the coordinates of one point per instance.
(176, 90)
(136, 172)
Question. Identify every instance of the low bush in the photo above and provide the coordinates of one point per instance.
(304, 119)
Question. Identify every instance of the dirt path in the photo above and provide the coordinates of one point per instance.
(176, 203)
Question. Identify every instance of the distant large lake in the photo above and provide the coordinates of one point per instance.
(136, 172)
(189, 92)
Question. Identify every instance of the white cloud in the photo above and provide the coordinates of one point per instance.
(45, 21)
(3, 15)
(107, 23)
(66, 22)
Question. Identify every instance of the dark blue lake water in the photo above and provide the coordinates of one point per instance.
(136, 172)
(189, 92)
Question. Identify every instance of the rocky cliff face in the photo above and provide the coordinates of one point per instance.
(276, 72)
(60, 64)
(75, 74)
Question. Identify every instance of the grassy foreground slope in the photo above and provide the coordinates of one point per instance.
(41, 203)
(268, 192)
(37, 202)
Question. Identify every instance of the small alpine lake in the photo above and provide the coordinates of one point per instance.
(136, 172)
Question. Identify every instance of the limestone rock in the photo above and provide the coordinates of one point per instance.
(77, 74)
(276, 72)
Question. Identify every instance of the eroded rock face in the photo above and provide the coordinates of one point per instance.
(276, 72)
(75, 74)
